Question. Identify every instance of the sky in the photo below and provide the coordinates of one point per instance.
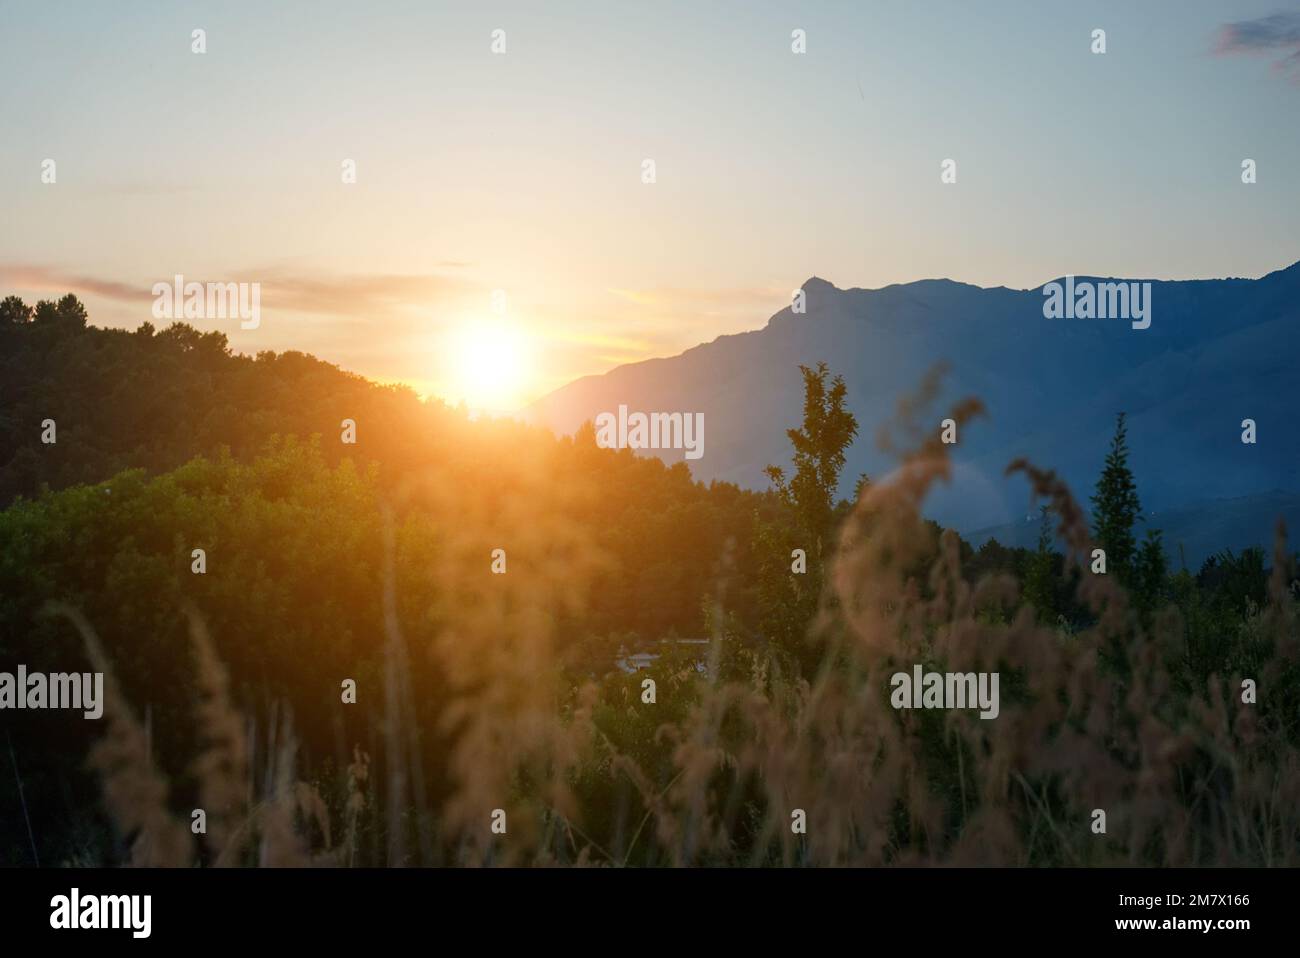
(521, 172)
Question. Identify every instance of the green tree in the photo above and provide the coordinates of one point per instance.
(787, 598)
(1116, 508)
(828, 430)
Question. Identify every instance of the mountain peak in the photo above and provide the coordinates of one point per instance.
(819, 284)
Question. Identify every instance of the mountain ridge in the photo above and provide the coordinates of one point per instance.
(1217, 352)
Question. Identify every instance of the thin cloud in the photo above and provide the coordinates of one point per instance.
(347, 295)
(22, 276)
(1276, 35)
(357, 295)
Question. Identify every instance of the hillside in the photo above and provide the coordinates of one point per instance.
(1216, 352)
(153, 400)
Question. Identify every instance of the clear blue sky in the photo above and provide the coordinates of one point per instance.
(521, 172)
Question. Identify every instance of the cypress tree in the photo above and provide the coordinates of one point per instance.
(1115, 507)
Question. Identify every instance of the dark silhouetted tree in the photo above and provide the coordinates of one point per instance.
(14, 311)
(68, 313)
(1116, 508)
(1040, 582)
(1150, 570)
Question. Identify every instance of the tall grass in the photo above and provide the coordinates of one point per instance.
(1107, 717)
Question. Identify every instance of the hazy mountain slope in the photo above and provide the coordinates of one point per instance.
(1217, 352)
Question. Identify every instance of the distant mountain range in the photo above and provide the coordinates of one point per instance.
(1216, 352)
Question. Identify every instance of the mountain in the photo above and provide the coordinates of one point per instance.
(1216, 352)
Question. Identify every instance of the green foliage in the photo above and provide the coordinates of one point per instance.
(1116, 507)
(315, 549)
(828, 430)
(153, 400)
(788, 600)
(295, 599)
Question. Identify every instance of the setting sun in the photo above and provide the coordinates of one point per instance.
(491, 364)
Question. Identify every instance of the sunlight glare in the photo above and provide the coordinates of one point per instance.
(492, 362)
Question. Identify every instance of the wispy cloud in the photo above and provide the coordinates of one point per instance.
(364, 295)
(1275, 35)
(42, 279)
(357, 295)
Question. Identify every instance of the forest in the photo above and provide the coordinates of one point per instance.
(311, 656)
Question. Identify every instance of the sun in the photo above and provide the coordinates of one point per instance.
(491, 364)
